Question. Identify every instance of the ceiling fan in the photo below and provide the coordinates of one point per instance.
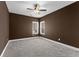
(36, 8)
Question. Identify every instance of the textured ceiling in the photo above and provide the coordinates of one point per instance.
(20, 7)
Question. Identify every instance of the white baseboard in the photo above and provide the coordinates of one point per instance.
(20, 39)
(72, 47)
(12, 41)
(4, 48)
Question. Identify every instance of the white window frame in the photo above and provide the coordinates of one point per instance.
(42, 27)
(35, 28)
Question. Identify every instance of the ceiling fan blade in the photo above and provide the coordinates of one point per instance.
(42, 10)
(30, 9)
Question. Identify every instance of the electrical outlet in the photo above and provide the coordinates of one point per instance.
(59, 39)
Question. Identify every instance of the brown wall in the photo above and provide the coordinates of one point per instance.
(64, 24)
(20, 26)
(4, 25)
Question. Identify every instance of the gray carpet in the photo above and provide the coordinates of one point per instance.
(38, 47)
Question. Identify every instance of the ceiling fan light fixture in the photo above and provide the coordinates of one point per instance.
(37, 6)
(36, 11)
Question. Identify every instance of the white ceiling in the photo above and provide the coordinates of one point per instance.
(20, 7)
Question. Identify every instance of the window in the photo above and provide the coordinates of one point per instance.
(35, 27)
(42, 27)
